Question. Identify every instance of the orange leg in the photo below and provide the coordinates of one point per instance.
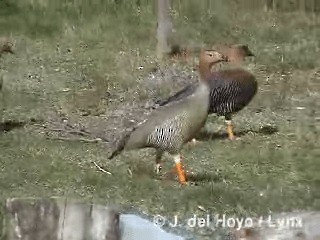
(180, 171)
(230, 130)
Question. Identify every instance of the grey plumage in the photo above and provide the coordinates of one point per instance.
(168, 128)
(230, 91)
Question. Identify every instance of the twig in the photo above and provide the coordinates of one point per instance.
(39, 125)
(103, 139)
(76, 139)
(78, 132)
(69, 129)
(101, 169)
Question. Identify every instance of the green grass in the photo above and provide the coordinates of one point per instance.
(262, 172)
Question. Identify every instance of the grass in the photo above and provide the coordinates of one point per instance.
(96, 61)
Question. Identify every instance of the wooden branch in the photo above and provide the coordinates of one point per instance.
(96, 140)
(73, 131)
(101, 169)
(69, 129)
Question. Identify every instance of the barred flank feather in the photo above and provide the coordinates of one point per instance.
(168, 136)
(230, 91)
(167, 128)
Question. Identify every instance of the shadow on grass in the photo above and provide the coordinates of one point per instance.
(265, 130)
(9, 125)
(193, 177)
(203, 177)
(140, 170)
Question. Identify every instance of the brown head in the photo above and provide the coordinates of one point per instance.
(207, 59)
